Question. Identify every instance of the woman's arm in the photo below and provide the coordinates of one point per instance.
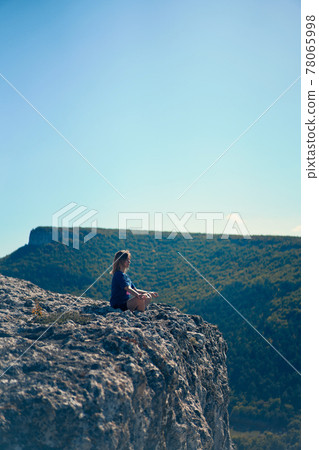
(135, 292)
(153, 294)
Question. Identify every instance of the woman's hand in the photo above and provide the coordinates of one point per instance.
(146, 295)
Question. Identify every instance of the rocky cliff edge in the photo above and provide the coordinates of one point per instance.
(99, 378)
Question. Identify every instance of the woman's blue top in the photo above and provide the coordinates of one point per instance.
(119, 295)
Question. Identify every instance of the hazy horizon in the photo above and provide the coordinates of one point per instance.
(2, 255)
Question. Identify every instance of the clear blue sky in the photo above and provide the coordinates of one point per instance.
(151, 93)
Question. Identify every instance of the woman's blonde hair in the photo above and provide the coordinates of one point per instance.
(119, 259)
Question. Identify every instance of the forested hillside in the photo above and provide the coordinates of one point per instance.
(260, 277)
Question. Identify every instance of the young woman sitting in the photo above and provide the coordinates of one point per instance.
(124, 294)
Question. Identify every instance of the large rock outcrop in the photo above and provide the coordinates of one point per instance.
(99, 378)
(41, 236)
(44, 235)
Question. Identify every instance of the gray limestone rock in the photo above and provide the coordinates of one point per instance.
(99, 378)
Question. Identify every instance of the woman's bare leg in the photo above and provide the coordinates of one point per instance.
(138, 304)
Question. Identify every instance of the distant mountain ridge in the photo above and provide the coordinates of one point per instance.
(44, 235)
(260, 277)
(41, 236)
